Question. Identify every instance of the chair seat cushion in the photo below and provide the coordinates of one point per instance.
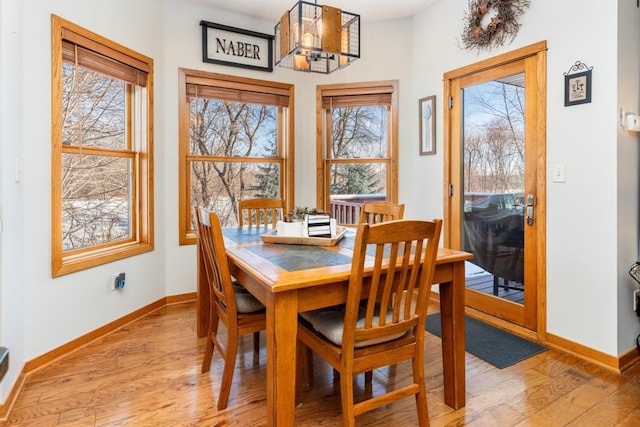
(330, 323)
(245, 302)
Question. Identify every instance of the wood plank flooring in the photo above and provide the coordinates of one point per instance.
(148, 374)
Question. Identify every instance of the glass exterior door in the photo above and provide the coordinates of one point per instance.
(494, 157)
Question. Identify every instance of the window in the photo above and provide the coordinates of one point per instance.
(102, 157)
(357, 151)
(235, 144)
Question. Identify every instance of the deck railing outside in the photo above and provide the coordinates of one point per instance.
(346, 208)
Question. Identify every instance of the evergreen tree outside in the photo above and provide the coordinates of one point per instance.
(267, 182)
(359, 178)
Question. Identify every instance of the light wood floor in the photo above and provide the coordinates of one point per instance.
(148, 374)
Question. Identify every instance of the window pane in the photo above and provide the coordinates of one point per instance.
(359, 132)
(96, 200)
(93, 109)
(359, 179)
(233, 129)
(219, 185)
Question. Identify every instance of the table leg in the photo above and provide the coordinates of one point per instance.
(453, 341)
(282, 322)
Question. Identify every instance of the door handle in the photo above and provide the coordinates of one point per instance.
(530, 200)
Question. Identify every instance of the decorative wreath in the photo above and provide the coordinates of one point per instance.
(503, 24)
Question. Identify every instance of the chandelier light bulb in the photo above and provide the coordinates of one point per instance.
(307, 40)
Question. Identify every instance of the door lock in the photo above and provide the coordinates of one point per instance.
(530, 199)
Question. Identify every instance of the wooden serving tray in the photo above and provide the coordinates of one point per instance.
(272, 237)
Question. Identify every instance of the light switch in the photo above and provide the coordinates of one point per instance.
(559, 172)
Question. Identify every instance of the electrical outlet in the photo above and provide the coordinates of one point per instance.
(118, 280)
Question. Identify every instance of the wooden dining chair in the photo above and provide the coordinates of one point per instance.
(230, 303)
(374, 212)
(385, 314)
(260, 212)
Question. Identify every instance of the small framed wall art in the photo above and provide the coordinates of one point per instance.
(427, 118)
(577, 84)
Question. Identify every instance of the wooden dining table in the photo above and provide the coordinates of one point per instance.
(289, 279)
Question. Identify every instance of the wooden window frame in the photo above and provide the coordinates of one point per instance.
(355, 94)
(232, 88)
(99, 54)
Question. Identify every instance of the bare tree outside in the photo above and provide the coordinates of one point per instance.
(359, 133)
(494, 138)
(96, 177)
(235, 155)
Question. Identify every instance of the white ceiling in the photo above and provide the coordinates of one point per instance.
(369, 10)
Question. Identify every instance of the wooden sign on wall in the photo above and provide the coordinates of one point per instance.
(236, 47)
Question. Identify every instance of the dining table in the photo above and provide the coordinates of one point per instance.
(293, 278)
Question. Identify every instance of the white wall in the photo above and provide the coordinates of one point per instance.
(582, 265)
(628, 192)
(585, 269)
(12, 193)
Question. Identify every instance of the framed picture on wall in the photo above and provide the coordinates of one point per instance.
(577, 84)
(577, 88)
(427, 118)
